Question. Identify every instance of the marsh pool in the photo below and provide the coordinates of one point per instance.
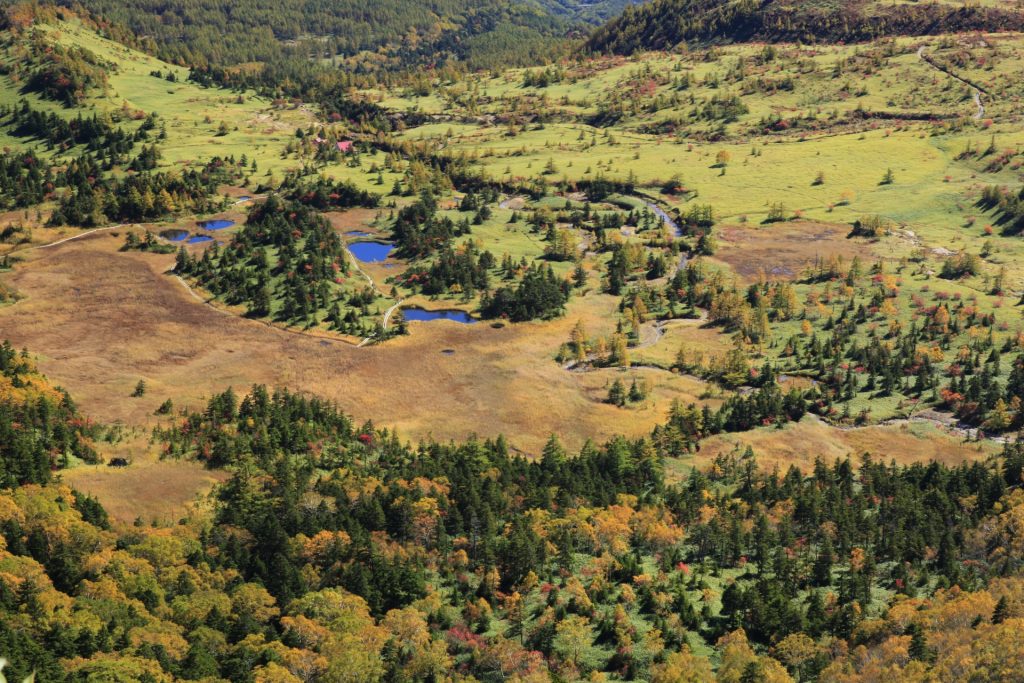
(421, 314)
(371, 252)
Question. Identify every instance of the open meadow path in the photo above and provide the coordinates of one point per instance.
(976, 90)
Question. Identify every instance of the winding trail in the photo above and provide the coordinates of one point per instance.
(373, 285)
(195, 295)
(975, 89)
(211, 303)
(387, 313)
(66, 239)
(935, 419)
(109, 227)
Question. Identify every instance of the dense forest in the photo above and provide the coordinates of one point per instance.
(664, 24)
(202, 33)
(338, 553)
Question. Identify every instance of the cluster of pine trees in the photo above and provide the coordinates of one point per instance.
(60, 133)
(1008, 207)
(286, 263)
(419, 231)
(93, 199)
(40, 427)
(949, 353)
(324, 194)
(27, 179)
(538, 294)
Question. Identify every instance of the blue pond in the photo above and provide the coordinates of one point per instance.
(371, 252)
(200, 238)
(219, 224)
(418, 314)
(174, 235)
(357, 233)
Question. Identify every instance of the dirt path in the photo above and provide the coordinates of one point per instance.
(942, 421)
(373, 285)
(190, 290)
(387, 314)
(209, 303)
(66, 239)
(975, 89)
(304, 333)
(109, 227)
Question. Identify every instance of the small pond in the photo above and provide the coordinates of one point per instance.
(218, 224)
(357, 233)
(371, 252)
(200, 238)
(174, 235)
(421, 314)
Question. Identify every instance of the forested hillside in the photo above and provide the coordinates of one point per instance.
(337, 553)
(407, 342)
(204, 33)
(587, 11)
(663, 24)
(40, 427)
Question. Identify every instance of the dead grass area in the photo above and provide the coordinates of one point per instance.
(781, 251)
(353, 219)
(234, 191)
(799, 444)
(159, 491)
(39, 236)
(664, 387)
(100, 320)
(693, 335)
(149, 488)
(33, 218)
